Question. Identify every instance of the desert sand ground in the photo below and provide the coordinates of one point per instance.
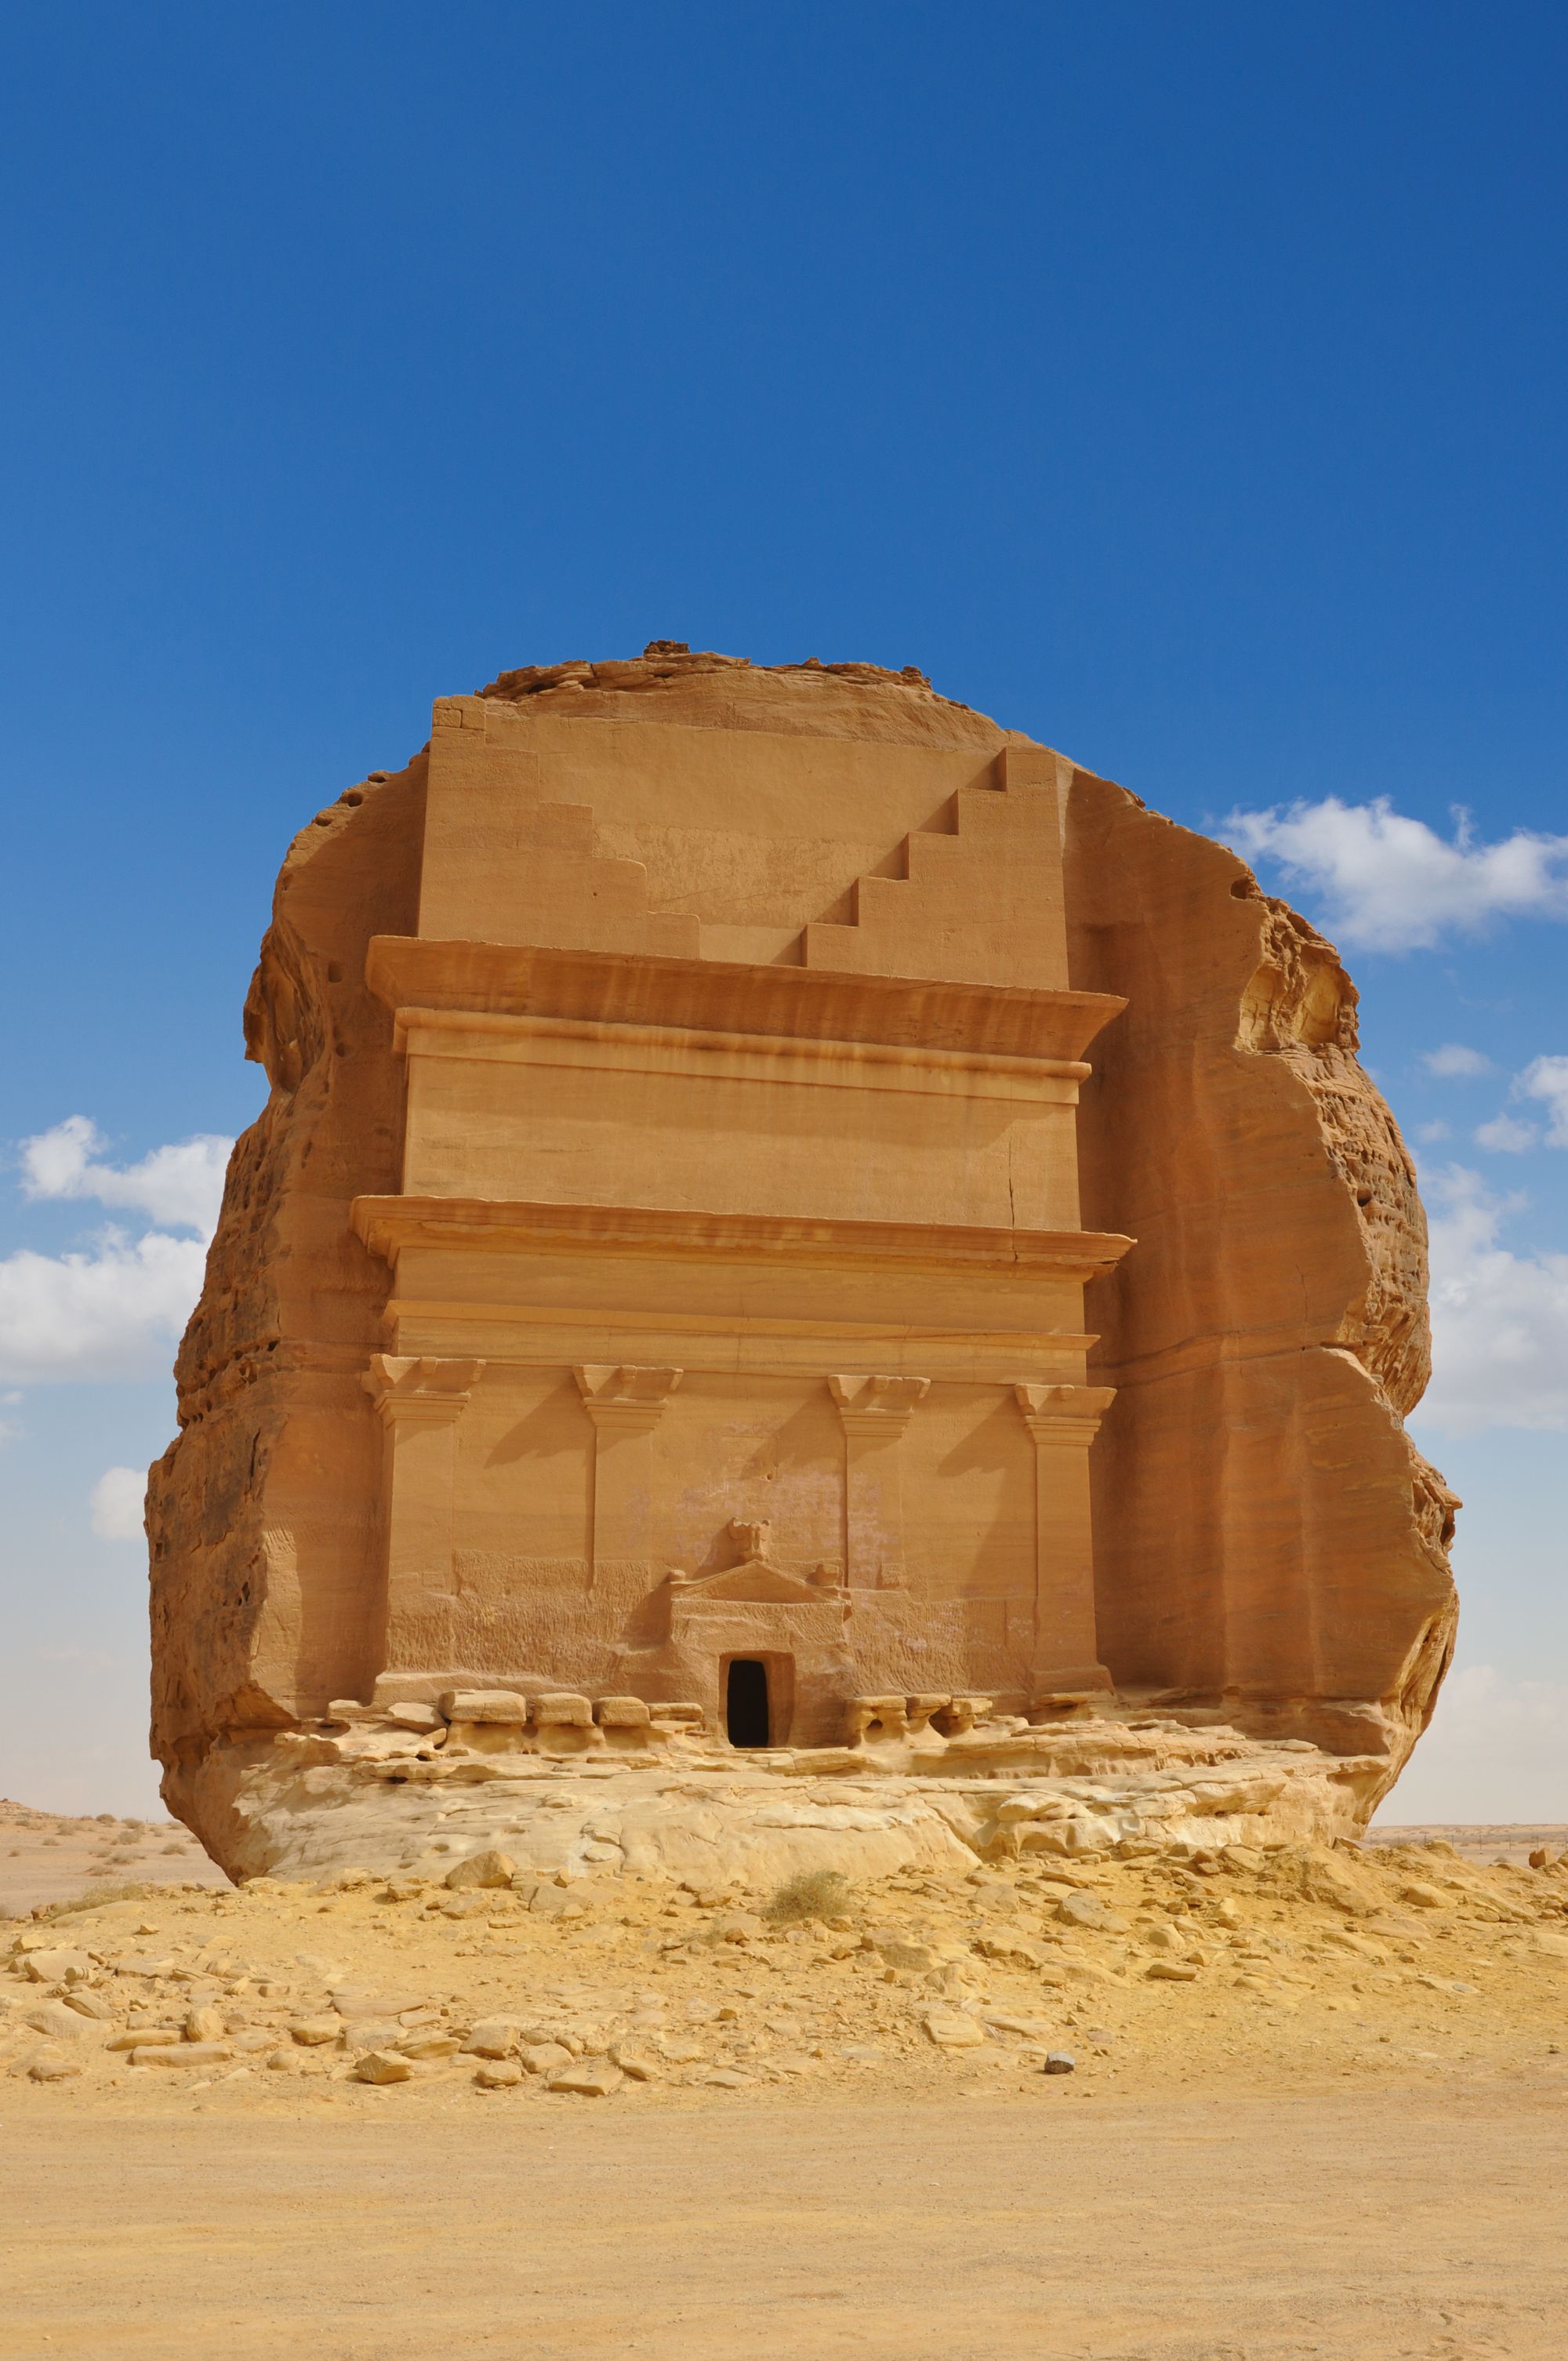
(1317, 2105)
(56, 1857)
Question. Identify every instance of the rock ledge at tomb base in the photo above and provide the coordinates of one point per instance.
(366, 1790)
(811, 1270)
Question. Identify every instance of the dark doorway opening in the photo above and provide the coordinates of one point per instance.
(746, 1702)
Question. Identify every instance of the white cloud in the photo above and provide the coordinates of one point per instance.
(1392, 884)
(114, 1312)
(1506, 1136)
(1497, 1750)
(179, 1186)
(118, 1500)
(1547, 1079)
(116, 1307)
(1499, 1319)
(1432, 1132)
(1454, 1062)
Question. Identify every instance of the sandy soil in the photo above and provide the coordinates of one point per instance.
(1422, 2225)
(56, 1856)
(1317, 2105)
(1511, 1841)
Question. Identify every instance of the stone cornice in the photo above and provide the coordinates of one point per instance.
(714, 995)
(387, 1225)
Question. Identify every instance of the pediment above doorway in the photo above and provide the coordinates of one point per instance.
(754, 1576)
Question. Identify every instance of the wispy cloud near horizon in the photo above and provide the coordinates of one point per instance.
(1499, 1319)
(114, 1307)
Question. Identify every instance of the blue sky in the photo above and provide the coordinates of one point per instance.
(1184, 387)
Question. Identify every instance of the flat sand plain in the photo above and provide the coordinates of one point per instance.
(1339, 2129)
(1415, 2224)
(57, 1856)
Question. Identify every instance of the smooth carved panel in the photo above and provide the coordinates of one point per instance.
(644, 1118)
(508, 862)
(748, 1451)
(874, 1411)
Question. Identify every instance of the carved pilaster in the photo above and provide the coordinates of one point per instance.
(625, 1405)
(1063, 1421)
(419, 1401)
(874, 1413)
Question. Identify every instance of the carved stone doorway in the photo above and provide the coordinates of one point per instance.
(748, 1718)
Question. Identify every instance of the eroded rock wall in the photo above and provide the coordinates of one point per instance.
(262, 1558)
(1267, 1538)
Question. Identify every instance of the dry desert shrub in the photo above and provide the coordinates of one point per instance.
(99, 1899)
(823, 1894)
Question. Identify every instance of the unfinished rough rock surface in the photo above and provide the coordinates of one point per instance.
(691, 1329)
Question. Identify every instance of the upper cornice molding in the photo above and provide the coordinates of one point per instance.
(795, 1003)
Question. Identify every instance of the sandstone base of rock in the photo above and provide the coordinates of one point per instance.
(372, 1794)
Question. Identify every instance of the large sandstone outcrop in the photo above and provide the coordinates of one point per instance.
(1266, 1534)
(669, 1288)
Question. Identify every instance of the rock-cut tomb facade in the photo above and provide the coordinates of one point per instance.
(791, 1219)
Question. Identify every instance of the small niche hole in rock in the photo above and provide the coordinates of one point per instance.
(746, 1702)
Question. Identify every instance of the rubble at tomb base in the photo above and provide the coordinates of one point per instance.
(481, 1984)
(805, 1256)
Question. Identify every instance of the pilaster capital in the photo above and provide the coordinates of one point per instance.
(1069, 1414)
(621, 1399)
(419, 1390)
(873, 1405)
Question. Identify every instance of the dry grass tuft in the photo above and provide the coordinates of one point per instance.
(823, 1894)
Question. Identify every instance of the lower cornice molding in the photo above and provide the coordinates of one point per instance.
(388, 1225)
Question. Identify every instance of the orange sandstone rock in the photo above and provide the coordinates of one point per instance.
(649, 1318)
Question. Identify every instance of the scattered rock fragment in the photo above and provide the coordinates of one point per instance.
(88, 2004)
(952, 2028)
(494, 2037)
(381, 2066)
(543, 2057)
(60, 2023)
(482, 1869)
(429, 2043)
(56, 1967)
(1012, 1949)
(498, 2074)
(592, 2079)
(1086, 1910)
